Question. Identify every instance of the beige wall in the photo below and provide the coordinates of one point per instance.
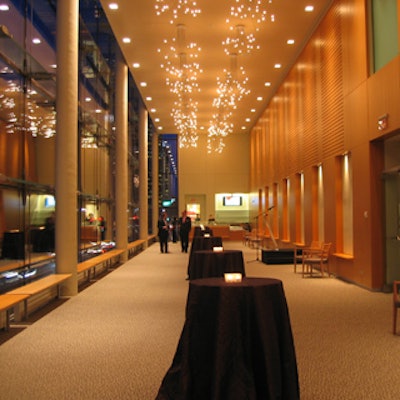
(206, 174)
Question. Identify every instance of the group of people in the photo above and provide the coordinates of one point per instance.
(165, 227)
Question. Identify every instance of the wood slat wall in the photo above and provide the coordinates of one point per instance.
(304, 123)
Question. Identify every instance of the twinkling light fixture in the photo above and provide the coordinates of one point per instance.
(175, 8)
(254, 10)
(180, 63)
(241, 40)
(231, 90)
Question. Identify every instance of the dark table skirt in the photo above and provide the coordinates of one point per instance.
(236, 344)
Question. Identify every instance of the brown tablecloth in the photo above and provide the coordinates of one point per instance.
(236, 344)
(203, 243)
(209, 263)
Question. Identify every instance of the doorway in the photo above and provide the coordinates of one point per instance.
(392, 223)
(392, 208)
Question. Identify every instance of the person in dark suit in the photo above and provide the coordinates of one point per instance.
(163, 232)
(185, 225)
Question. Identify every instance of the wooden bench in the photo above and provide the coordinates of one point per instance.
(151, 239)
(135, 246)
(7, 302)
(92, 263)
(39, 286)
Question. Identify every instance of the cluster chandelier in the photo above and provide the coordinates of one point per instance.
(177, 8)
(183, 69)
(180, 63)
(230, 91)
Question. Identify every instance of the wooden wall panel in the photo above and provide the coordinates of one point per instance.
(384, 98)
(310, 132)
(355, 61)
(326, 106)
(332, 115)
(290, 152)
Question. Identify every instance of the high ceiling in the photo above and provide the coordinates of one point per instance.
(147, 31)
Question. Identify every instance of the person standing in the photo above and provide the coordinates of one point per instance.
(102, 228)
(163, 232)
(184, 229)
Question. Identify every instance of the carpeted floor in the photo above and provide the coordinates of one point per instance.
(117, 338)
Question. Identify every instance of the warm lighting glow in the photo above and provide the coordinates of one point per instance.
(176, 8)
(113, 6)
(218, 249)
(233, 277)
(36, 120)
(239, 42)
(183, 71)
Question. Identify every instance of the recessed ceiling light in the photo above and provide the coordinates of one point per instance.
(160, 128)
(277, 65)
(113, 6)
(267, 84)
(243, 128)
(259, 98)
(153, 110)
(309, 8)
(290, 41)
(148, 98)
(87, 99)
(253, 110)
(157, 120)
(143, 84)
(136, 65)
(126, 40)
(36, 41)
(4, 7)
(247, 119)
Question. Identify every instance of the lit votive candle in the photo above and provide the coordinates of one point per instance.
(218, 249)
(233, 277)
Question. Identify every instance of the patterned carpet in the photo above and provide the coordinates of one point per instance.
(117, 338)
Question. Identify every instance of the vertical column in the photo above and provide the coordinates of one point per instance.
(155, 182)
(121, 176)
(143, 172)
(66, 171)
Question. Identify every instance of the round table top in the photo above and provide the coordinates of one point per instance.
(247, 282)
